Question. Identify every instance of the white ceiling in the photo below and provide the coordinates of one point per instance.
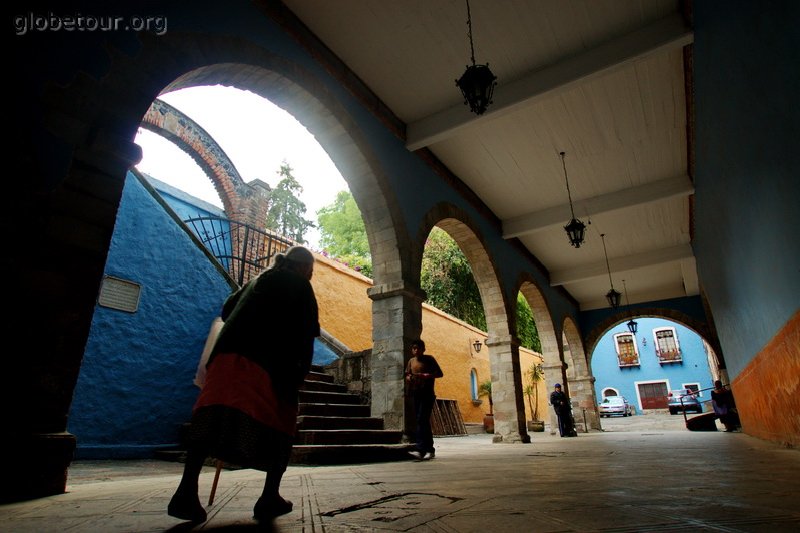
(602, 80)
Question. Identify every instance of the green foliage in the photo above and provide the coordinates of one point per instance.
(447, 279)
(485, 389)
(535, 375)
(285, 214)
(526, 328)
(342, 233)
(446, 275)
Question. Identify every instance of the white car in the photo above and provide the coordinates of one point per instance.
(615, 405)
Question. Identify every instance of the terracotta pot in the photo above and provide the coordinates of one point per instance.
(488, 423)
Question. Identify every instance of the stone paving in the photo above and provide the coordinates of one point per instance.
(645, 473)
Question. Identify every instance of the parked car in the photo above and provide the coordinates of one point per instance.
(683, 400)
(614, 405)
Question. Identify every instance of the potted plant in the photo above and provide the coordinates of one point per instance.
(485, 389)
(535, 375)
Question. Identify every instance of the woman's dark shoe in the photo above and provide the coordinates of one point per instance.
(269, 508)
(187, 507)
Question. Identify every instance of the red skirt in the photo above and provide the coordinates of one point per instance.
(238, 416)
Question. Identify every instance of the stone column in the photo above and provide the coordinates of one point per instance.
(74, 224)
(396, 322)
(509, 404)
(581, 392)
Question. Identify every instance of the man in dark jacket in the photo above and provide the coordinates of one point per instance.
(561, 404)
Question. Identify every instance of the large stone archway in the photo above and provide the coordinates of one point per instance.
(509, 407)
(90, 122)
(701, 328)
(552, 364)
(396, 317)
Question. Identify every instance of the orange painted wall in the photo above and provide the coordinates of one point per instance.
(345, 310)
(767, 391)
(346, 313)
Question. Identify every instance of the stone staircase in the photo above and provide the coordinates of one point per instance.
(334, 427)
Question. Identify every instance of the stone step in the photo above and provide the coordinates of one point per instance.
(324, 386)
(348, 436)
(329, 409)
(341, 398)
(350, 454)
(319, 376)
(306, 422)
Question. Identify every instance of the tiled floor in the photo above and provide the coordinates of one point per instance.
(646, 473)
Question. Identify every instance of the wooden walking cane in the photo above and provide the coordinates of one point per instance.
(214, 485)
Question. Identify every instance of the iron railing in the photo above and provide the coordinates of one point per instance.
(243, 250)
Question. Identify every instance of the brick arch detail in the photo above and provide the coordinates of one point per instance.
(241, 201)
(508, 400)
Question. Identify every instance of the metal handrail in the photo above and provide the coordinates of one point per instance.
(243, 250)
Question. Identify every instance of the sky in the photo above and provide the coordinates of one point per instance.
(256, 135)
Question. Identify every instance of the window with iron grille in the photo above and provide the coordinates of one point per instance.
(667, 348)
(627, 350)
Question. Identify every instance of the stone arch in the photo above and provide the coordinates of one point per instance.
(509, 407)
(99, 117)
(698, 326)
(541, 316)
(243, 202)
(548, 336)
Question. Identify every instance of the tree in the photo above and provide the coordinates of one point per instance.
(448, 281)
(285, 214)
(343, 234)
(527, 333)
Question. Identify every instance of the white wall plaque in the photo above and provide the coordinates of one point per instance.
(119, 294)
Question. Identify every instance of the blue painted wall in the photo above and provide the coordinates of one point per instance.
(693, 369)
(135, 386)
(747, 179)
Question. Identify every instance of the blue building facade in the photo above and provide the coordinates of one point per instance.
(662, 356)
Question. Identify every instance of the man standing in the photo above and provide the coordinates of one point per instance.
(421, 373)
(560, 402)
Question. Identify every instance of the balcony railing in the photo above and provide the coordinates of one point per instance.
(243, 250)
(628, 360)
(669, 356)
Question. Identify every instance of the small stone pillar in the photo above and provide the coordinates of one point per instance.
(396, 322)
(581, 391)
(509, 404)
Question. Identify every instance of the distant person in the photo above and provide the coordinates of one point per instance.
(724, 406)
(561, 404)
(246, 413)
(422, 371)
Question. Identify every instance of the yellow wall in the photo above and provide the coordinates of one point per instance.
(346, 313)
